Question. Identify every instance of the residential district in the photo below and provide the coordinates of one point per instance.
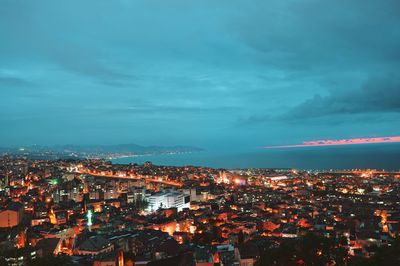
(93, 212)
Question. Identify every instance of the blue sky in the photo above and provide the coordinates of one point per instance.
(205, 73)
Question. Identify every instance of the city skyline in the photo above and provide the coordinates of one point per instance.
(94, 212)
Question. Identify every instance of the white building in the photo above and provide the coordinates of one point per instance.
(166, 200)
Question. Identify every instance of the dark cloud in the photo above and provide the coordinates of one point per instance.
(162, 110)
(376, 101)
(318, 35)
(13, 82)
(379, 95)
(85, 62)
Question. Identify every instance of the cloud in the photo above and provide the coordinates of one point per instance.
(163, 110)
(252, 69)
(378, 95)
(13, 82)
(339, 142)
(319, 35)
(375, 100)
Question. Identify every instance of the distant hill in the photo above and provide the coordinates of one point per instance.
(93, 151)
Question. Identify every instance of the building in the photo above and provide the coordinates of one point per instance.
(94, 246)
(58, 217)
(48, 247)
(166, 200)
(4, 182)
(192, 192)
(12, 215)
(247, 254)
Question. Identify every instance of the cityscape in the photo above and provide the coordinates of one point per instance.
(199, 133)
(93, 212)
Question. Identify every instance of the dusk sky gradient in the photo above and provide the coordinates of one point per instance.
(208, 73)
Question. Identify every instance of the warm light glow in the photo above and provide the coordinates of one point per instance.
(319, 143)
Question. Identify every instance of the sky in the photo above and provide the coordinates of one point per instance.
(225, 74)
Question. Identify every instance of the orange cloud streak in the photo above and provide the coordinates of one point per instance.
(333, 142)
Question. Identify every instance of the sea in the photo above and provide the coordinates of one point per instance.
(370, 156)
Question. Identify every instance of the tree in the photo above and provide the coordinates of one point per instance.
(61, 260)
(386, 255)
(311, 249)
(240, 237)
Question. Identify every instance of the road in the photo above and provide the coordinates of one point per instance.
(148, 180)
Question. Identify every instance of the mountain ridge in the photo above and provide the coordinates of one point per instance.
(95, 151)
